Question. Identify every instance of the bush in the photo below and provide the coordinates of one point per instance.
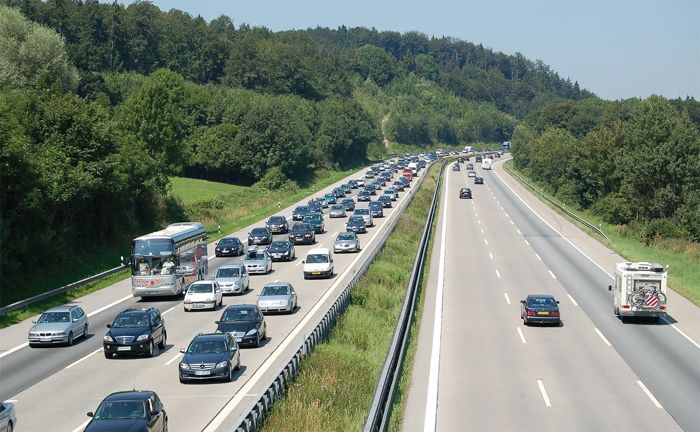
(614, 209)
(274, 179)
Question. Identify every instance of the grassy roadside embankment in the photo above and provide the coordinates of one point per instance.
(682, 257)
(230, 206)
(337, 381)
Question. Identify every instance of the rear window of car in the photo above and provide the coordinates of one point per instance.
(541, 302)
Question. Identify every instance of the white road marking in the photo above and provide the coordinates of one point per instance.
(544, 393)
(527, 242)
(11, 401)
(522, 336)
(651, 396)
(479, 222)
(103, 308)
(429, 423)
(498, 274)
(490, 255)
(502, 208)
(169, 362)
(163, 313)
(551, 274)
(482, 231)
(17, 348)
(299, 263)
(82, 426)
(512, 223)
(675, 327)
(601, 336)
(84, 358)
(335, 234)
(507, 298)
(486, 242)
(572, 300)
(518, 231)
(538, 256)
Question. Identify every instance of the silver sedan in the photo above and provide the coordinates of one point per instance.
(59, 325)
(277, 297)
(346, 242)
(338, 210)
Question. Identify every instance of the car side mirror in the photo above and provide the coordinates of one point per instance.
(217, 322)
(303, 261)
(182, 350)
(522, 301)
(109, 325)
(557, 301)
(90, 414)
(609, 287)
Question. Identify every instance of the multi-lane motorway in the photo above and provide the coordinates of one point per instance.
(54, 387)
(479, 368)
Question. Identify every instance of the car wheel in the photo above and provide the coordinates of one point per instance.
(70, 339)
(238, 364)
(182, 381)
(163, 341)
(165, 425)
(185, 309)
(230, 374)
(108, 355)
(151, 349)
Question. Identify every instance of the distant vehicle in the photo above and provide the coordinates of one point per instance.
(391, 193)
(317, 208)
(281, 250)
(470, 166)
(260, 236)
(366, 214)
(372, 189)
(455, 167)
(348, 204)
(639, 290)
(478, 180)
(233, 279)
(229, 246)
(203, 295)
(337, 211)
(129, 411)
(471, 174)
(245, 322)
(210, 356)
(346, 242)
(414, 168)
(363, 196)
(8, 418)
(360, 182)
(318, 263)
(505, 146)
(257, 261)
(277, 297)
(353, 184)
(59, 325)
(316, 222)
(408, 174)
(385, 200)
(468, 149)
(278, 224)
(299, 212)
(330, 198)
(479, 158)
(356, 224)
(398, 185)
(465, 193)
(165, 262)
(369, 175)
(302, 233)
(486, 164)
(135, 331)
(540, 308)
(376, 208)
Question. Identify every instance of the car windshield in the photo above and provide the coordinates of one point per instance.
(301, 209)
(200, 288)
(239, 314)
(278, 245)
(258, 231)
(337, 207)
(348, 201)
(275, 290)
(121, 410)
(375, 204)
(230, 272)
(131, 320)
(362, 211)
(54, 317)
(254, 255)
(317, 259)
(207, 346)
(541, 302)
(277, 220)
(356, 219)
(312, 217)
(301, 227)
(346, 236)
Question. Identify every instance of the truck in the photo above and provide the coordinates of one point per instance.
(468, 149)
(486, 164)
(639, 290)
(505, 146)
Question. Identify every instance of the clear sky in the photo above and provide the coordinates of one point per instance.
(615, 48)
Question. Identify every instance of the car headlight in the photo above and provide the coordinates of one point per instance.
(286, 253)
(222, 364)
(60, 333)
(143, 337)
(251, 332)
(307, 235)
(184, 366)
(187, 301)
(107, 338)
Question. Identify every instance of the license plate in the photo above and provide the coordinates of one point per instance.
(125, 348)
(542, 313)
(198, 305)
(316, 273)
(239, 339)
(202, 373)
(45, 339)
(153, 292)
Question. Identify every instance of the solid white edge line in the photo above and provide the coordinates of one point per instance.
(498, 274)
(675, 327)
(103, 308)
(551, 274)
(527, 242)
(518, 231)
(163, 313)
(82, 426)
(540, 384)
(430, 421)
(651, 396)
(84, 358)
(490, 255)
(507, 298)
(169, 362)
(263, 369)
(522, 336)
(538, 256)
(572, 300)
(602, 336)
(11, 350)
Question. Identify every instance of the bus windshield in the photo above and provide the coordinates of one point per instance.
(154, 247)
(150, 266)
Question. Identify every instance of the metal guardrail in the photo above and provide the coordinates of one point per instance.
(278, 387)
(62, 290)
(557, 205)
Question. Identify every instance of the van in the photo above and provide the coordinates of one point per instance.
(318, 263)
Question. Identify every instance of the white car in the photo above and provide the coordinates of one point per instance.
(471, 174)
(318, 263)
(360, 182)
(203, 295)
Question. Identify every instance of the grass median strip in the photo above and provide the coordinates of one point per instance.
(337, 381)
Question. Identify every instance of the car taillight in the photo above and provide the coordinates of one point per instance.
(663, 307)
(531, 313)
(625, 306)
(555, 313)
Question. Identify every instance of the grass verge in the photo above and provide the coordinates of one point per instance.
(684, 270)
(336, 383)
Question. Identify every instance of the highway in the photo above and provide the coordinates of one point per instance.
(58, 385)
(479, 368)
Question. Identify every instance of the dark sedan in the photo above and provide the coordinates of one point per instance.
(278, 224)
(356, 224)
(478, 180)
(385, 200)
(455, 167)
(245, 322)
(260, 236)
(364, 196)
(540, 308)
(348, 203)
(135, 331)
(398, 185)
(299, 212)
(302, 233)
(129, 411)
(371, 189)
(316, 221)
(376, 208)
(210, 356)
(281, 250)
(465, 193)
(229, 246)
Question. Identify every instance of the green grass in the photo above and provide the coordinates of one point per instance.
(336, 383)
(193, 190)
(682, 257)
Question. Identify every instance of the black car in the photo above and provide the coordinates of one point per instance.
(398, 185)
(260, 236)
(210, 356)
(455, 167)
(229, 246)
(371, 189)
(406, 182)
(316, 221)
(281, 250)
(478, 158)
(363, 195)
(470, 166)
(478, 180)
(299, 212)
(540, 308)
(135, 331)
(129, 411)
(353, 184)
(349, 204)
(465, 193)
(316, 208)
(385, 200)
(376, 208)
(245, 322)
(278, 224)
(356, 224)
(302, 233)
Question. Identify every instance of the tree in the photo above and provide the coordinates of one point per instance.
(376, 64)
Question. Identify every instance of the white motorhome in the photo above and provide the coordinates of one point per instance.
(414, 168)
(639, 290)
(486, 163)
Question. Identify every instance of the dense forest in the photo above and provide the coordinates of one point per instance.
(100, 104)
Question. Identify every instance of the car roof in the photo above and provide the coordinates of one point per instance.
(542, 296)
(319, 251)
(210, 336)
(241, 306)
(129, 395)
(277, 284)
(65, 308)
